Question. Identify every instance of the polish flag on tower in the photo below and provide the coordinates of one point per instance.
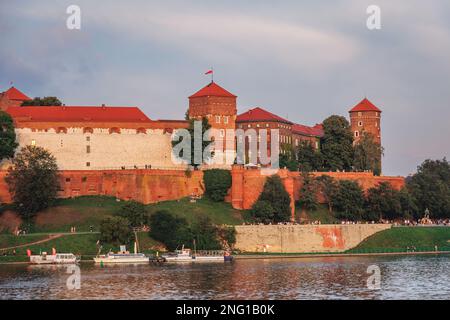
(209, 72)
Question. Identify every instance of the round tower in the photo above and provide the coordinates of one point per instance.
(365, 117)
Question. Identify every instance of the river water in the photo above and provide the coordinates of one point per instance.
(401, 277)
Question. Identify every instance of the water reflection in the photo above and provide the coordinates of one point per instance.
(421, 277)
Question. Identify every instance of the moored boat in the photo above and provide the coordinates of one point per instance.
(186, 255)
(58, 258)
(123, 256)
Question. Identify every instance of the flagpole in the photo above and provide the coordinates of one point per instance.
(212, 74)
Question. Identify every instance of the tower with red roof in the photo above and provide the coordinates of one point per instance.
(219, 107)
(365, 117)
(12, 98)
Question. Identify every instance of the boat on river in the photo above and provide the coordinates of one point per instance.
(187, 255)
(123, 256)
(58, 258)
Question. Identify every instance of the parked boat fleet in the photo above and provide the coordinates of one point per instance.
(125, 257)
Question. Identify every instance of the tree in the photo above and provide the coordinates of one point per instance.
(430, 186)
(328, 188)
(349, 200)
(33, 180)
(408, 204)
(287, 158)
(383, 202)
(135, 213)
(8, 142)
(217, 183)
(262, 211)
(45, 101)
(308, 193)
(276, 195)
(337, 144)
(205, 156)
(368, 154)
(171, 230)
(206, 234)
(308, 157)
(116, 231)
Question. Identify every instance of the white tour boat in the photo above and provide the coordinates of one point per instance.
(59, 258)
(123, 256)
(186, 255)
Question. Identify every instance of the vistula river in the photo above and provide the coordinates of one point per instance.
(401, 277)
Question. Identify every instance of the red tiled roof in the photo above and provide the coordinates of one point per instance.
(365, 105)
(316, 131)
(212, 89)
(14, 94)
(259, 114)
(78, 114)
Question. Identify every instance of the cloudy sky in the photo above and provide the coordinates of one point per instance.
(303, 60)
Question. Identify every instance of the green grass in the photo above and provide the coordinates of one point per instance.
(219, 212)
(8, 240)
(399, 238)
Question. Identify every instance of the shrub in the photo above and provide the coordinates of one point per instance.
(276, 195)
(217, 183)
(135, 213)
(115, 230)
(349, 200)
(172, 231)
(262, 211)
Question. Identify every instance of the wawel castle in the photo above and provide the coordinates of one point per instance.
(123, 137)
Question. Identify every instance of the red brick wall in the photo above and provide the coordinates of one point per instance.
(146, 186)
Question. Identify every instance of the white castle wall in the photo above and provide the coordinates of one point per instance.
(107, 151)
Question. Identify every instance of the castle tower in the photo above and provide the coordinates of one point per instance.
(365, 117)
(219, 107)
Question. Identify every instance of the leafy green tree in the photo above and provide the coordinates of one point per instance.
(368, 154)
(430, 186)
(383, 202)
(337, 144)
(217, 183)
(205, 156)
(309, 159)
(276, 195)
(8, 142)
(308, 193)
(328, 188)
(135, 212)
(287, 158)
(262, 211)
(172, 231)
(116, 231)
(408, 204)
(206, 234)
(33, 180)
(45, 101)
(349, 200)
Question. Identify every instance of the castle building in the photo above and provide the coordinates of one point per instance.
(107, 138)
(365, 117)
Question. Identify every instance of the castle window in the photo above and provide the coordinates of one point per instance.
(222, 133)
(88, 130)
(33, 142)
(61, 130)
(249, 126)
(217, 119)
(88, 164)
(359, 114)
(225, 119)
(257, 125)
(88, 149)
(360, 123)
(376, 124)
(317, 145)
(267, 125)
(114, 130)
(356, 133)
(88, 138)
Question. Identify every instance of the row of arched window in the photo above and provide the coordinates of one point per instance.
(91, 130)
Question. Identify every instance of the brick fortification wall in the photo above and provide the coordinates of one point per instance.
(303, 238)
(248, 183)
(146, 186)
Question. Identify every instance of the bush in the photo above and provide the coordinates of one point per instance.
(172, 231)
(116, 231)
(308, 193)
(206, 234)
(135, 213)
(262, 211)
(276, 195)
(217, 183)
(349, 200)
(383, 201)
